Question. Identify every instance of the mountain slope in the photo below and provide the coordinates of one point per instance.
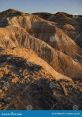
(40, 59)
(20, 73)
(17, 37)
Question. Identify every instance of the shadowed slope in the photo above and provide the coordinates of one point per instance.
(25, 83)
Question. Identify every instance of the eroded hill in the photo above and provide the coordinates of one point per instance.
(41, 60)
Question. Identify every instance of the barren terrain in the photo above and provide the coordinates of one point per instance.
(40, 61)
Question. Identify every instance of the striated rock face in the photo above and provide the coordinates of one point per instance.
(58, 60)
(41, 60)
